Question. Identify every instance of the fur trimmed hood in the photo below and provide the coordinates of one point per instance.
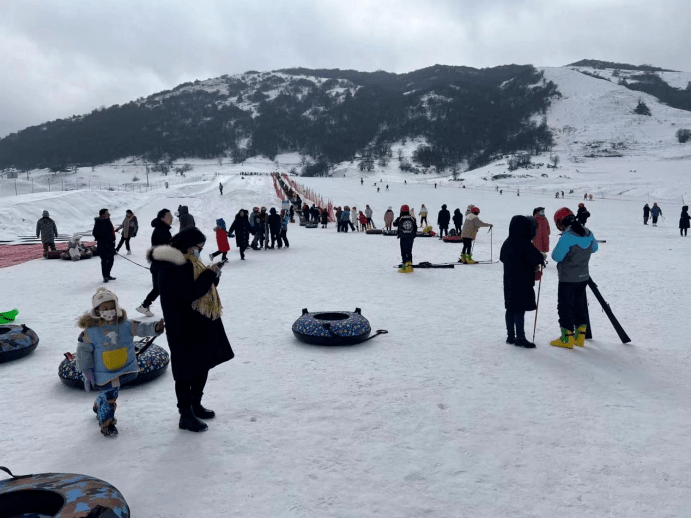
(86, 320)
(166, 253)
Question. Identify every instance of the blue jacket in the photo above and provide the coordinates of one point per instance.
(572, 254)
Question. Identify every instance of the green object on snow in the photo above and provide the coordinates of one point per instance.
(8, 317)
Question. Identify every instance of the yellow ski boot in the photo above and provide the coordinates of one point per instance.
(402, 269)
(469, 260)
(580, 335)
(462, 258)
(408, 267)
(566, 340)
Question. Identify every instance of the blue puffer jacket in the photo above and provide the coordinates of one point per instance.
(572, 254)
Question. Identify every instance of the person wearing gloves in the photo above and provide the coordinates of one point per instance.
(406, 233)
(221, 240)
(106, 353)
(468, 234)
(192, 308)
(129, 228)
(572, 254)
(443, 220)
(542, 239)
(47, 230)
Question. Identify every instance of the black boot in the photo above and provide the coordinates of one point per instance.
(524, 343)
(510, 339)
(201, 411)
(190, 422)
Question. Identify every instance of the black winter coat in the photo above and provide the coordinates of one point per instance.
(520, 258)
(582, 215)
(274, 222)
(406, 227)
(241, 228)
(458, 218)
(161, 234)
(196, 343)
(443, 217)
(104, 234)
(647, 210)
(684, 219)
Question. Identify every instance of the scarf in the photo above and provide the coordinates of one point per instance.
(126, 226)
(209, 305)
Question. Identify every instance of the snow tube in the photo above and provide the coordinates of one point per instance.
(373, 231)
(388, 233)
(311, 226)
(60, 495)
(421, 234)
(53, 254)
(451, 239)
(331, 328)
(152, 363)
(16, 340)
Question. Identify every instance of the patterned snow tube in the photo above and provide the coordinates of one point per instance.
(451, 239)
(311, 226)
(152, 363)
(388, 233)
(60, 495)
(331, 328)
(16, 341)
(373, 231)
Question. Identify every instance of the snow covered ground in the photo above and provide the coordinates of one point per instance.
(438, 418)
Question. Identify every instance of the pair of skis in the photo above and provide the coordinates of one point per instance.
(450, 265)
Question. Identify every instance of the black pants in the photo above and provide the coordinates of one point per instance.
(443, 231)
(423, 219)
(275, 237)
(106, 265)
(284, 239)
(242, 248)
(571, 304)
(406, 245)
(188, 390)
(457, 228)
(515, 324)
(683, 229)
(370, 224)
(123, 240)
(151, 296)
(466, 249)
(223, 254)
(50, 245)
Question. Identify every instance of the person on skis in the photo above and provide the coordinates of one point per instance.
(542, 239)
(406, 233)
(572, 254)
(655, 213)
(468, 234)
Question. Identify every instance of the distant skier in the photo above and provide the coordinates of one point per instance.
(520, 260)
(647, 210)
(387, 187)
(572, 254)
(221, 188)
(582, 214)
(563, 194)
(684, 220)
(655, 213)
(406, 233)
(542, 239)
(443, 220)
(468, 234)
(517, 192)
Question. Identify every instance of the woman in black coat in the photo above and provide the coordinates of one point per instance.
(684, 220)
(196, 336)
(520, 258)
(458, 220)
(241, 228)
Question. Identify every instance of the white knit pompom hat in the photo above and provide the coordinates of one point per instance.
(101, 296)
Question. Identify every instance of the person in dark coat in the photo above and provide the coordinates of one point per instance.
(647, 211)
(655, 213)
(582, 214)
(406, 233)
(520, 260)
(458, 220)
(196, 336)
(443, 220)
(104, 234)
(186, 219)
(684, 220)
(274, 223)
(161, 235)
(241, 228)
(47, 230)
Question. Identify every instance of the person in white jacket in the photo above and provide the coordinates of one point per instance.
(423, 215)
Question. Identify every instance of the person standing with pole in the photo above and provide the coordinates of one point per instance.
(520, 259)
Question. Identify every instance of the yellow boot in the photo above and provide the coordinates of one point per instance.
(580, 335)
(469, 260)
(408, 267)
(566, 340)
(402, 269)
(462, 258)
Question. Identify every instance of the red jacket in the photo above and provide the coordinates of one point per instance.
(222, 239)
(542, 239)
(362, 219)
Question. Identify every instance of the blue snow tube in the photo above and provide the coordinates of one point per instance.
(60, 495)
(333, 328)
(152, 361)
(16, 340)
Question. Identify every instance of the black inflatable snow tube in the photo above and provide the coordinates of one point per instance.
(16, 341)
(331, 328)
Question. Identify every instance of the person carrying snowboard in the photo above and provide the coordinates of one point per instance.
(684, 220)
(106, 353)
(406, 233)
(520, 258)
(542, 239)
(468, 234)
(655, 213)
(572, 254)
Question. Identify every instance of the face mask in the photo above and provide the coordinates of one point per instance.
(196, 252)
(108, 315)
(177, 213)
(542, 213)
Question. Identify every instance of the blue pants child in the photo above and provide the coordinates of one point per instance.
(105, 405)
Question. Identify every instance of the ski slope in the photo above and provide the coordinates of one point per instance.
(438, 418)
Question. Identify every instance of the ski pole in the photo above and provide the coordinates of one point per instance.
(538, 299)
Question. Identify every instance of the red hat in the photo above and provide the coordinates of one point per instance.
(581, 205)
(560, 215)
(475, 210)
(404, 208)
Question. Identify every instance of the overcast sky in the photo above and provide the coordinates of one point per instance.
(65, 57)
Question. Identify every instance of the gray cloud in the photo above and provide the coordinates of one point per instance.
(68, 57)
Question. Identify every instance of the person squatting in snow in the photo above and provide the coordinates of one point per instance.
(106, 353)
(520, 259)
(572, 254)
(406, 233)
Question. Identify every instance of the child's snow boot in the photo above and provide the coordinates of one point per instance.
(190, 422)
(201, 411)
(580, 335)
(566, 340)
(109, 430)
(469, 260)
